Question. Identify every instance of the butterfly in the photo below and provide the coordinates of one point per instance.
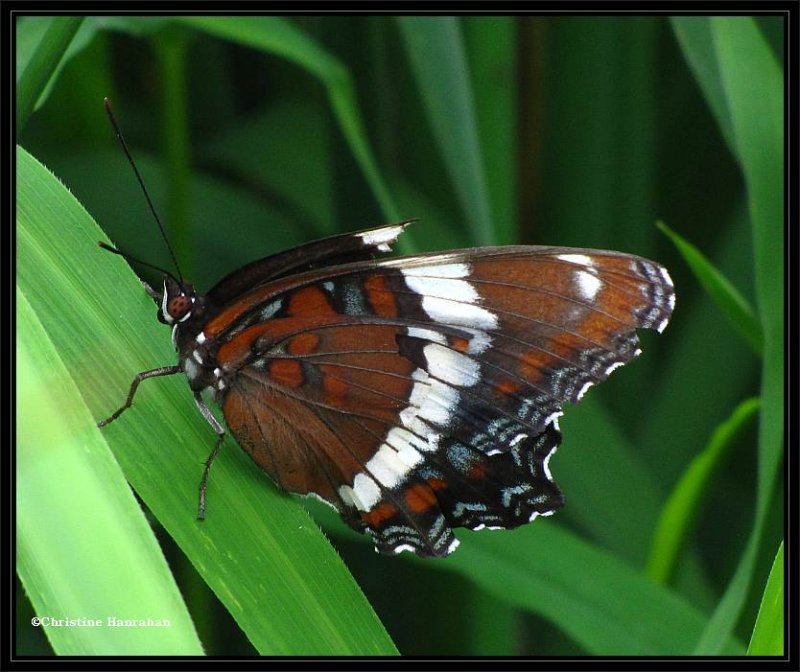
(416, 394)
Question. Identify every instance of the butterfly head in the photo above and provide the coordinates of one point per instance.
(178, 302)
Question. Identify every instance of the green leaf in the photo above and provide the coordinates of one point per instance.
(80, 532)
(752, 83)
(43, 63)
(680, 511)
(695, 36)
(492, 46)
(725, 295)
(102, 180)
(603, 153)
(435, 48)
(31, 30)
(258, 550)
(279, 129)
(716, 386)
(600, 601)
(767, 639)
(280, 37)
(172, 51)
(595, 445)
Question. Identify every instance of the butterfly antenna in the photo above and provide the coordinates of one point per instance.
(130, 257)
(121, 138)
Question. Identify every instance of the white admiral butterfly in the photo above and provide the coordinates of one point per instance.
(415, 394)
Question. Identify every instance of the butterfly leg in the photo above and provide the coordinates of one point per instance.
(144, 375)
(151, 292)
(220, 430)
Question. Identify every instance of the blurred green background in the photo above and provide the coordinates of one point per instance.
(254, 134)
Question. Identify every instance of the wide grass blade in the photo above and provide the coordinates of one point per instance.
(599, 600)
(767, 639)
(603, 603)
(82, 539)
(258, 550)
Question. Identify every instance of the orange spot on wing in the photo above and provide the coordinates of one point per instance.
(286, 372)
(508, 386)
(460, 344)
(380, 298)
(420, 498)
(379, 514)
(303, 344)
(533, 363)
(310, 301)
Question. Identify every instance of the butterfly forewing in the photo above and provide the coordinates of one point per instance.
(421, 394)
(339, 249)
